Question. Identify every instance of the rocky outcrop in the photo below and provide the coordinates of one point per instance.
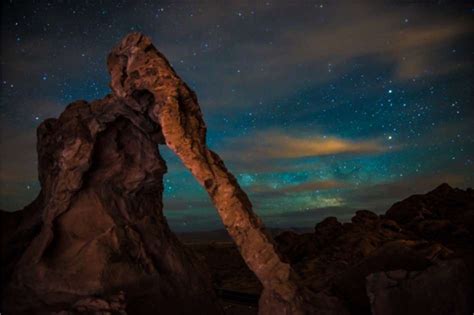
(96, 238)
(97, 227)
(371, 265)
(425, 237)
(144, 79)
(438, 290)
(96, 241)
(445, 214)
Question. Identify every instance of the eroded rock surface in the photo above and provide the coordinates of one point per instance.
(97, 226)
(357, 261)
(144, 79)
(422, 292)
(95, 239)
(97, 231)
(445, 214)
(339, 257)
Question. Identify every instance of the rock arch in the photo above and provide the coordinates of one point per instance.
(97, 229)
(136, 65)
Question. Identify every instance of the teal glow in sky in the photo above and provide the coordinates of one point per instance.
(318, 108)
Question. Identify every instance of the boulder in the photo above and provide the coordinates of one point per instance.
(443, 203)
(441, 289)
(349, 285)
(327, 230)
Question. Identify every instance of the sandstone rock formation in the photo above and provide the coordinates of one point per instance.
(96, 239)
(97, 228)
(147, 83)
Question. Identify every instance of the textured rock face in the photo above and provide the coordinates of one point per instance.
(96, 239)
(97, 227)
(445, 213)
(148, 84)
(432, 251)
(424, 293)
(373, 265)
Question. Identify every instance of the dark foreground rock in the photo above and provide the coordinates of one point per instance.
(378, 264)
(440, 289)
(445, 214)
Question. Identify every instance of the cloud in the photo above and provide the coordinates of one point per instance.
(308, 45)
(381, 196)
(375, 197)
(365, 29)
(416, 51)
(313, 185)
(267, 191)
(277, 145)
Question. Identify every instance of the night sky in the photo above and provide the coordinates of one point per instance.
(319, 108)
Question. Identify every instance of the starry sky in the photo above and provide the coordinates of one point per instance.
(318, 107)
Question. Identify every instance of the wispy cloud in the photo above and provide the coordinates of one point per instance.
(321, 45)
(299, 188)
(277, 145)
(413, 49)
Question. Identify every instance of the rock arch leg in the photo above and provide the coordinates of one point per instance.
(136, 65)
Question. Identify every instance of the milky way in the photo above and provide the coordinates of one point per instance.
(318, 108)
